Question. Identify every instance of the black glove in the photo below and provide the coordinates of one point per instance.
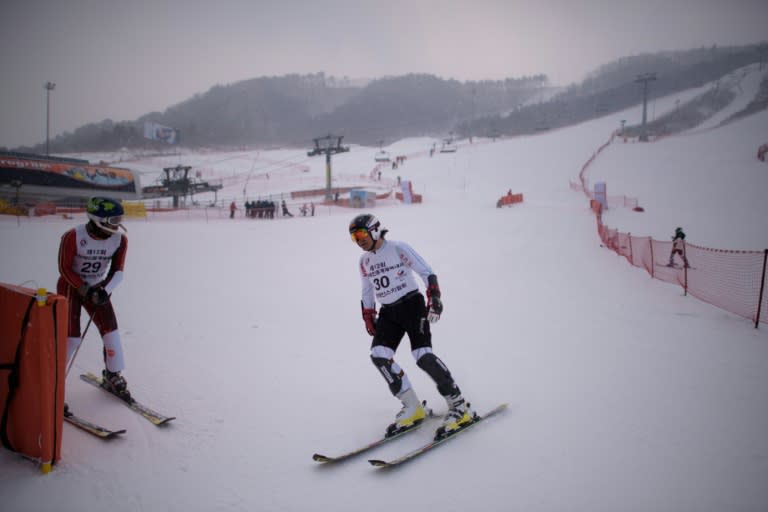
(97, 295)
(434, 304)
(83, 291)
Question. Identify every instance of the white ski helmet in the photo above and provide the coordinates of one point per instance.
(369, 223)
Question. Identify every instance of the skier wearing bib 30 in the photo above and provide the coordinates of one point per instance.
(386, 270)
(91, 260)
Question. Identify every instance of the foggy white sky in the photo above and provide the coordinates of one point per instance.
(119, 60)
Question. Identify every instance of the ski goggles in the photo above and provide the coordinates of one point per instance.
(113, 221)
(359, 234)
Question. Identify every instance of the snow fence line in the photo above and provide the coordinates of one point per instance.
(729, 279)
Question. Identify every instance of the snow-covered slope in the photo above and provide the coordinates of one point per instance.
(624, 394)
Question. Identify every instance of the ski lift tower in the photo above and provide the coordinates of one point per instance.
(644, 79)
(177, 182)
(328, 145)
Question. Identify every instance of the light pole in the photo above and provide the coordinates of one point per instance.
(49, 86)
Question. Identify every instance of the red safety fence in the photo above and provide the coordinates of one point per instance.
(732, 280)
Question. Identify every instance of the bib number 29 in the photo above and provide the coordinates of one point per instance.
(90, 267)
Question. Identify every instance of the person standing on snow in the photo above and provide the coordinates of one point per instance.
(286, 213)
(386, 271)
(91, 261)
(678, 247)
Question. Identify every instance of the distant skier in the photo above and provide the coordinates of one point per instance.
(386, 271)
(678, 247)
(91, 261)
(286, 213)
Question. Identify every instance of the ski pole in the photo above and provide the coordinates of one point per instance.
(85, 331)
(72, 361)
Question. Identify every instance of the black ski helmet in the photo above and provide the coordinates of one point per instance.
(106, 213)
(369, 223)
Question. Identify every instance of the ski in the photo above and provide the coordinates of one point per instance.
(375, 444)
(151, 415)
(435, 442)
(675, 266)
(370, 446)
(92, 428)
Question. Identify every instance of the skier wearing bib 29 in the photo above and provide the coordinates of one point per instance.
(91, 260)
(386, 271)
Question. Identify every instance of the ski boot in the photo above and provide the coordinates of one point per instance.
(409, 416)
(459, 416)
(115, 384)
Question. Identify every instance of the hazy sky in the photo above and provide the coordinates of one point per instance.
(122, 59)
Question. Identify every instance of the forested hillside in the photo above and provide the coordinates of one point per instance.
(293, 109)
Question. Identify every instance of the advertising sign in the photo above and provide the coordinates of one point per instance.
(154, 131)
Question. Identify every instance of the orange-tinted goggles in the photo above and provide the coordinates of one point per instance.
(359, 234)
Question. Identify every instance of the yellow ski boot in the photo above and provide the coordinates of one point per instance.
(410, 415)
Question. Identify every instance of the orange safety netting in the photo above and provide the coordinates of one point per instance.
(732, 280)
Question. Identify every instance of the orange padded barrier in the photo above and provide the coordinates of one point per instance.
(509, 199)
(415, 198)
(33, 351)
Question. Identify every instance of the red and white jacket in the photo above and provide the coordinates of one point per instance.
(84, 259)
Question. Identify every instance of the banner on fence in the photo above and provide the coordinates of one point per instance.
(601, 195)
